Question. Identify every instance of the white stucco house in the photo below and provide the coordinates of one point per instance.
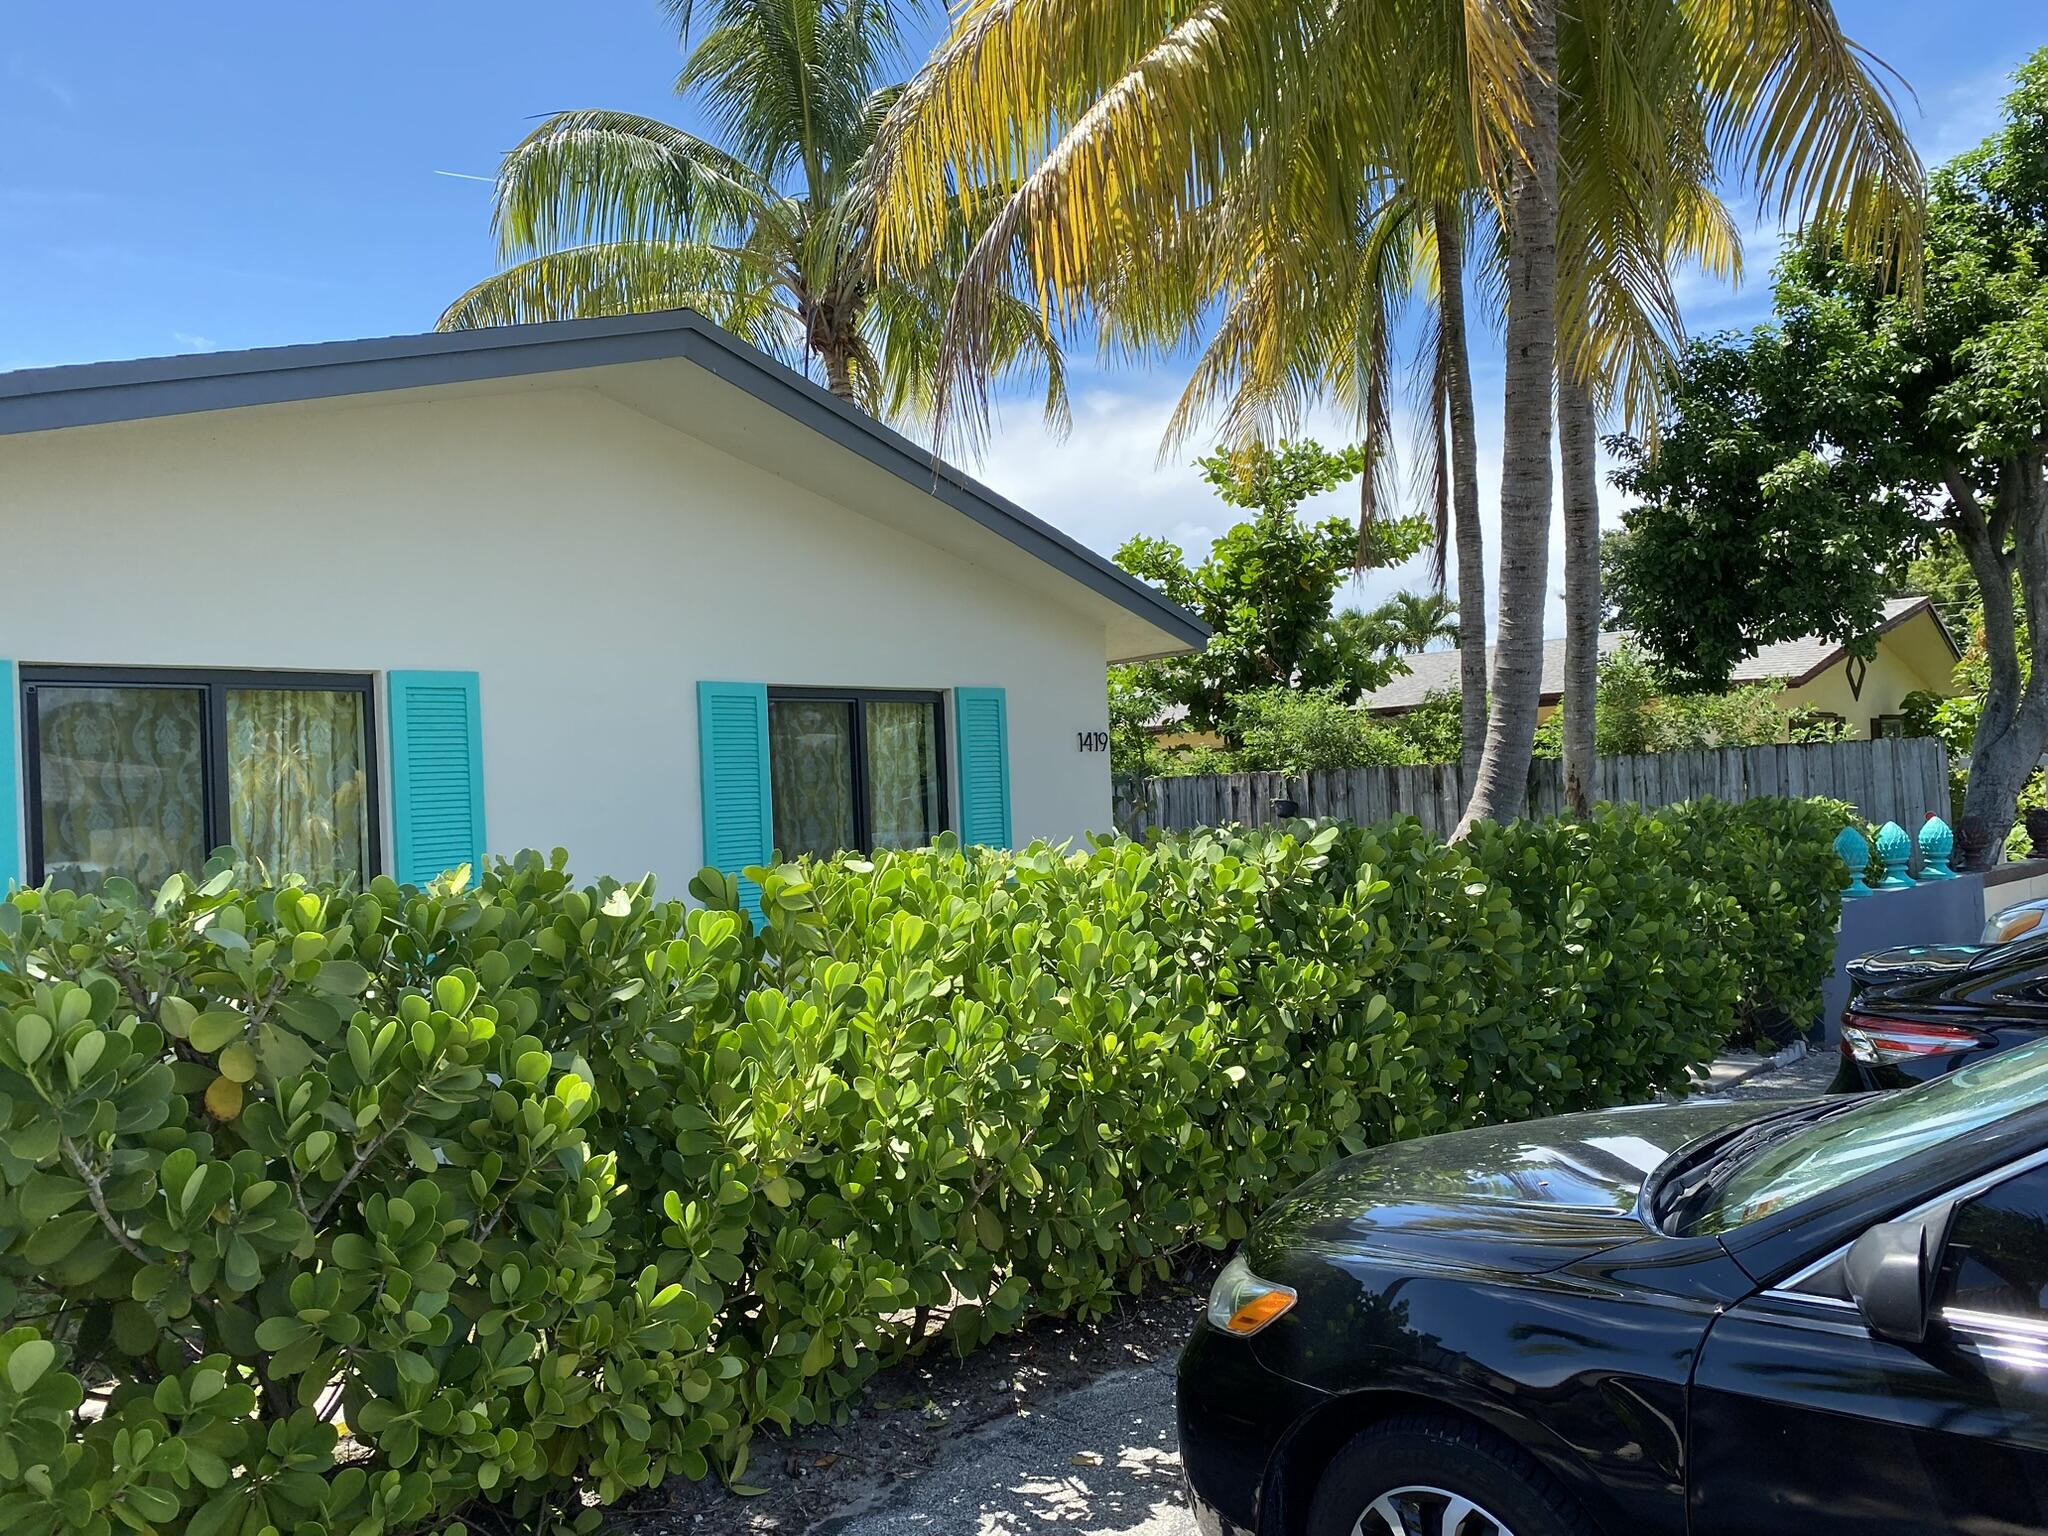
(623, 586)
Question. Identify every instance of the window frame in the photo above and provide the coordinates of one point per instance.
(859, 699)
(213, 685)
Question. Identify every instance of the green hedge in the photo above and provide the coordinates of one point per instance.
(545, 1191)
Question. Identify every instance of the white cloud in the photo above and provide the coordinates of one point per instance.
(189, 342)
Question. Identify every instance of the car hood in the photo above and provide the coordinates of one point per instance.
(1524, 1198)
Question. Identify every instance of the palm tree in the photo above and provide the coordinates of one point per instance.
(603, 213)
(1110, 133)
(1417, 620)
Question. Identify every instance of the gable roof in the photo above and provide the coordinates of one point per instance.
(91, 394)
(1795, 662)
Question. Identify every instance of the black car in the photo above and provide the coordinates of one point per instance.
(1917, 1013)
(1705, 1319)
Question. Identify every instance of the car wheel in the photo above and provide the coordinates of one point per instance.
(1436, 1477)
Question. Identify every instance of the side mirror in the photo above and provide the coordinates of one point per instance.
(1890, 1274)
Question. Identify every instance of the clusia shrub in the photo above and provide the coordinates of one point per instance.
(330, 1211)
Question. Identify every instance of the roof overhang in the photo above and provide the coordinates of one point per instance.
(634, 359)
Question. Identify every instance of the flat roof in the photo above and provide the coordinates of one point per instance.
(93, 394)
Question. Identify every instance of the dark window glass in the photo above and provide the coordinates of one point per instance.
(141, 775)
(122, 774)
(810, 759)
(855, 771)
(1997, 1255)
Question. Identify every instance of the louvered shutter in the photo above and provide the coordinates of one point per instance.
(732, 739)
(437, 774)
(982, 727)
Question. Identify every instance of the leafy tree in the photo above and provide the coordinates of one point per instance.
(1288, 730)
(1801, 469)
(771, 234)
(1265, 588)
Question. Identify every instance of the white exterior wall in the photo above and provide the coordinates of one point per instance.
(591, 564)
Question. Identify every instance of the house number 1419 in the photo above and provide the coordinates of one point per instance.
(1094, 741)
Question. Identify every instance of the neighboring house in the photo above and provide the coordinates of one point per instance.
(624, 586)
(1915, 654)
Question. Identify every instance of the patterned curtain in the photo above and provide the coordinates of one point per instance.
(810, 755)
(903, 774)
(296, 782)
(123, 782)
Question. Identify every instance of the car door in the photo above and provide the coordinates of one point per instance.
(1803, 1420)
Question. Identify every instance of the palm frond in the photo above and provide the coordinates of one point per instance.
(1808, 119)
(586, 177)
(635, 277)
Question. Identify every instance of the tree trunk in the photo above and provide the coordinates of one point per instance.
(1468, 533)
(2013, 728)
(1501, 786)
(838, 373)
(1576, 455)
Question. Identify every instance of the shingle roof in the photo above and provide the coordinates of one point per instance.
(1794, 661)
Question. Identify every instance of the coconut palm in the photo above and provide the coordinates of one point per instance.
(1417, 620)
(770, 234)
(1110, 131)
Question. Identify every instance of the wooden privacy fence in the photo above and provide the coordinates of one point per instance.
(1902, 781)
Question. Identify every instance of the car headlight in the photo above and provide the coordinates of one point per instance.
(1241, 1303)
(2013, 923)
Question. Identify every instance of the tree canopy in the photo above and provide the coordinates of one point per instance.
(1801, 468)
(1267, 586)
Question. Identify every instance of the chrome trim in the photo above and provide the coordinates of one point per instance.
(2002, 1325)
(1809, 1298)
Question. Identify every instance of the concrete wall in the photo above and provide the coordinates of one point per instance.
(590, 563)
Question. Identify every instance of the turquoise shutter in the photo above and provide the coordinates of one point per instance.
(437, 774)
(739, 811)
(982, 727)
(11, 870)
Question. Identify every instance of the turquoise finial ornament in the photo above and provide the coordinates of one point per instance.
(1854, 848)
(1937, 842)
(1896, 850)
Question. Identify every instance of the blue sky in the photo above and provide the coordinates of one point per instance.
(217, 175)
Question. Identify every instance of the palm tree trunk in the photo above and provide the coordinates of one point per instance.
(1501, 787)
(1575, 449)
(1468, 534)
(838, 373)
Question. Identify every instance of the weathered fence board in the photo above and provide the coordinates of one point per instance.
(1902, 781)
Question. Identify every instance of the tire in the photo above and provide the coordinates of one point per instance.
(1444, 1461)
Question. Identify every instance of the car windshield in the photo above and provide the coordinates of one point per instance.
(1811, 1159)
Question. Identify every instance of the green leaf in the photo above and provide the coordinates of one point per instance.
(214, 1029)
(344, 978)
(30, 1358)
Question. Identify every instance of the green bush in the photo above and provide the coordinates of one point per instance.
(545, 1192)
(1285, 730)
(1776, 859)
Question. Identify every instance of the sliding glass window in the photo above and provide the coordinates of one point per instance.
(141, 773)
(855, 770)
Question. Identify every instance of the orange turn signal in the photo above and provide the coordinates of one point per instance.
(1260, 1310)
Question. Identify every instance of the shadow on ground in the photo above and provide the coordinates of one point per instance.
(1098, 1462)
